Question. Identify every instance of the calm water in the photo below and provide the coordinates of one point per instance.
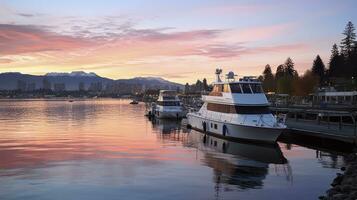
(107, 149)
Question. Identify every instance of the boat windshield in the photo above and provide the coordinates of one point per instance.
(246, 88)
(235, 88)
(256, 88)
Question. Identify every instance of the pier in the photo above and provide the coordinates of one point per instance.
(326, 124)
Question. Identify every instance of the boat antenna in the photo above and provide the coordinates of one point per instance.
(218, 74)
(230, 76)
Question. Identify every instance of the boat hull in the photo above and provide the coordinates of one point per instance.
(234, 131)
(169, 114)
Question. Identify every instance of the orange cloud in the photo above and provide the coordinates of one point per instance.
(5, 60)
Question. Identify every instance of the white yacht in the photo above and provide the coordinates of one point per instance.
(237, 109)
(168, 105)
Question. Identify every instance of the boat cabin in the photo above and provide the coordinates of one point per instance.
(168, 98)
(237, 87)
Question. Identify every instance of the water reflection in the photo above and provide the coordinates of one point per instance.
(96, 149)
(244, 165)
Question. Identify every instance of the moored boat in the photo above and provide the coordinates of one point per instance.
(134, 102)
(168, 105)
(237, 109)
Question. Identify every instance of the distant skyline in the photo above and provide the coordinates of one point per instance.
(180, 41)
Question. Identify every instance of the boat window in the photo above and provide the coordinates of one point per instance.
(238, 109)
(235, 88)
(246, 88)
(169, 97)
(168, 103)
(256, 88)
(226, 88)
(252, 110)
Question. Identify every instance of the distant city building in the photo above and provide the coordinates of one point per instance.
(96, 87)
(81, 86)
(21, 85)
(59, 87)
(31, 87)
(46, 84)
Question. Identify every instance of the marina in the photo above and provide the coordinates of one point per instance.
(178, 100)
(153, 158)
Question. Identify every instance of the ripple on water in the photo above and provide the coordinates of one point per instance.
(92, 149)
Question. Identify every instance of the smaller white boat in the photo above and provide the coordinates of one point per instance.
(134, 102)
(168, 105)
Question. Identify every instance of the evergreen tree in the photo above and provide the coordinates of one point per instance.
(187, 88)
(347, 50)
(284, 85)
(335, 63)
(289, 67)
(348, 43)
(205, 85)
(198, 86)
(306, 84)
(279, 72)
(318, 69)
(268, 79)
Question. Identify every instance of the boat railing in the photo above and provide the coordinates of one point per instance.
(280, 119)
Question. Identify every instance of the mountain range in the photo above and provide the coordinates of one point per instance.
(78, 80)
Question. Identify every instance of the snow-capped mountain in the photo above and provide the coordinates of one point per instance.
(73, 80)
(74, 73)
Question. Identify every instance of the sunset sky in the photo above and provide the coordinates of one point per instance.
(178, 40)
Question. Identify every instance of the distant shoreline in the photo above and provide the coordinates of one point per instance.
(61, 99)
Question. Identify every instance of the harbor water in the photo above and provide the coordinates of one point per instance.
(107, 149)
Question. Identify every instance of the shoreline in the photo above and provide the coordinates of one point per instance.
(344, 186)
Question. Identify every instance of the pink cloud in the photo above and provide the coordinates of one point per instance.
(16, 39)
(139, 43)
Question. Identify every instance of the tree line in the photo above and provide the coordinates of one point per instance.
(340, 73)
(197, 88)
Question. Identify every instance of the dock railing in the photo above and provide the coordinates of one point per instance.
(338, 124)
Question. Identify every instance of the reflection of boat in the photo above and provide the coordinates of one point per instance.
(134, 102)
(242, 164)
(168, 105)
(166, 126)
(268, 153)
(237, 109)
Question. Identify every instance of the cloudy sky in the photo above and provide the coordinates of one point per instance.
(180, 41)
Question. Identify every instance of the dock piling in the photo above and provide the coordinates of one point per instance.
(328, 121)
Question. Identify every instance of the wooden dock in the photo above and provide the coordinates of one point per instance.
(321, 123)
(334, 132)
